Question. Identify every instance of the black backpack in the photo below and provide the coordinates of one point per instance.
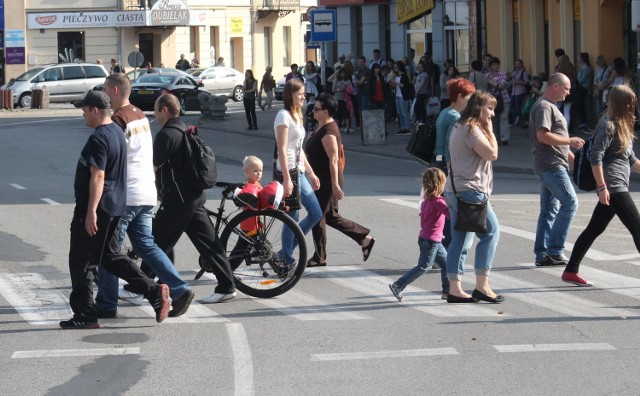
(200, 171)
(422, 142)
(582, 172)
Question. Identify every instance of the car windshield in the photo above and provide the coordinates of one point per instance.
(30, 74)
(156, 78)
(196, 73)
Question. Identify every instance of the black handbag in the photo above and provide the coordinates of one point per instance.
(472, 216)
(422, 142)
(292, 202)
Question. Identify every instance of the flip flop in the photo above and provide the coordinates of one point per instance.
(366, 250)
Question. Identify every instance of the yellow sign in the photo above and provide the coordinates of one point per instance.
(407, 10)
(236, 25)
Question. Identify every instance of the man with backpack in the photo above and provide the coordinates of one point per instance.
(181, 202)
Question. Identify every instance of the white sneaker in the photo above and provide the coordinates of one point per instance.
(129, 296)
(218, 297)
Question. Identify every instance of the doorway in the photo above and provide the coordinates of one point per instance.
(236, 54)
(145, 41)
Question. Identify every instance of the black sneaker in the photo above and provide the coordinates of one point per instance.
(106, 314)
(160, 303)
(130, 288)
(548, 261)
(181, 304)
(561, 259)
(72, 324)
(396, 291)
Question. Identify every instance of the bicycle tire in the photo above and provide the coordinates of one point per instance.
(258, 271)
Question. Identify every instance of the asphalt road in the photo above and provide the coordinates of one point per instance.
(339, 331)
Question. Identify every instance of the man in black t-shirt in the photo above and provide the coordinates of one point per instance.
(182, 64)
(181, 208)
(100, 187)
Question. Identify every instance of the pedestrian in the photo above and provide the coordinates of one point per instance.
(405, 93)
(519, 85)
(182, 63)
(377, 88)
(433, 212)
(567, 68)
(250, 85)
(421, 86)
(195, 63)
(473, 148)
(294, 74)
(618, 77)
(115, 67)
(602, 74)
(550, 144)
(141, 199)
(363, 80)
(497, 86)
(100, 61)
(267, 84)
(583, 91)
(477, 77)
(181, 208)
(100, 192)
(311, 80)
(220, 62)
(449, 72)
(289, 131)
(376, 60)
(324, 155)
(345, 110)
(612, 160)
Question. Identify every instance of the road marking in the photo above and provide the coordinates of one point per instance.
(242, 361)
(592, 254)
(374, 285)
(41, 121)
(49, 201)
(18, 187)
(559, 301)
(34, 299)
(325, 357)
(554, 347)
(74, 353)
(304, 307)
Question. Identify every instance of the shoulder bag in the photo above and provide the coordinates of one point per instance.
(292, 202)
(472, 216)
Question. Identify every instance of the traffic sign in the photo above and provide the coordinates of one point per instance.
(323, 25)
(311, 44)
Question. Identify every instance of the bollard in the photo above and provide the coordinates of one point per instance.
(36, 99)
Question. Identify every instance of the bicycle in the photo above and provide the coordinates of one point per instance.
(257, 269)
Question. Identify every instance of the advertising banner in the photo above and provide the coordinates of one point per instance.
(14, 43)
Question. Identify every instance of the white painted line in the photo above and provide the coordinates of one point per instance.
(242, 361)
(304, 307)
(41, 121)
(403, 202)
(50, 201)
(559, 301)
(34, 299)
(18, 187)
(74, 353)
(554, 347)
(383, 354)
(374, 285)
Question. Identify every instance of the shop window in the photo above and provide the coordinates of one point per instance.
(420, 35)
(456, 30)
(71, 46)
(267, 46)
(286, 41)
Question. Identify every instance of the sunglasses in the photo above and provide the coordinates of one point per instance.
(316, 109)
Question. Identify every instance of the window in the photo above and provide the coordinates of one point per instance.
(52, 74)
(71, 45)
(94, 72)
(73, 73)
(456, 31)
(420, 35)
(194, 40)
(286, 40)
(267, 46)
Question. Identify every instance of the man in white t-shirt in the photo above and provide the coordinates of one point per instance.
(141, 199)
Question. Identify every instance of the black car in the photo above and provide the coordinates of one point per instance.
(148, 87)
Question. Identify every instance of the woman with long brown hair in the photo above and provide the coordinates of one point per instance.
(612, 160)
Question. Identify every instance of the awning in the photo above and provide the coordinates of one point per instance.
(407, 10)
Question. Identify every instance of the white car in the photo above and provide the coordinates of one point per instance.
(220, 80)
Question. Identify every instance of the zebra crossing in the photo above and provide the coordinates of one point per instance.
(38, 303)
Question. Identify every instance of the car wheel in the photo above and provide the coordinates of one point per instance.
(25, 100)
(183, 105)
(238, 93)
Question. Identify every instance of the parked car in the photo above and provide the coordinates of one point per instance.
(148, 87)
(277, 91)
(66, 82)
(220, 80)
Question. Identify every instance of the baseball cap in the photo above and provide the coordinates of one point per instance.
(97, 99)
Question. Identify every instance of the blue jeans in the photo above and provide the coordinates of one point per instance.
(314, 214)
(402, 107)
(558, 205)
(430, 251)
(137, 224)
(461, 241)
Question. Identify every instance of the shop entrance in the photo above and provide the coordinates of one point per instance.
(145, 41)
(236, 54)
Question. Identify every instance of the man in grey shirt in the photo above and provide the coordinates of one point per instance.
(550, 144)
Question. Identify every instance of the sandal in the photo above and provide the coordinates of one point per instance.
(366, 250)
(315, 263)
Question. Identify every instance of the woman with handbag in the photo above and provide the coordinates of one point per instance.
(472, 148)
(290, 132)
(323, 152)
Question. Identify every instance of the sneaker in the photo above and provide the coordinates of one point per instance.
(181, 304)
(161, 303)
(548, 261)
(403, 132)
(569, 277)
(444, 295)
(126, 295)
(78, 324)
(561, 259)
(219, 297)
(106, 313)
(396, 292)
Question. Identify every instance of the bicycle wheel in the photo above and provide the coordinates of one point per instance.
(257, 269)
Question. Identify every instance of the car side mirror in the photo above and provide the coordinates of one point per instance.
(12, 81)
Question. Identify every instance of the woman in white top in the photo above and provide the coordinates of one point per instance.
(311, 80)
(290, 133)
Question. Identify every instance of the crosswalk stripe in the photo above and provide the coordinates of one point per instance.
(554, 347)
(304, 307)
(34, 299)
(558, 301)
(75, 353)
(383, 354)
(374, 285)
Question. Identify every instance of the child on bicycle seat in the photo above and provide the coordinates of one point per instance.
(252, 168)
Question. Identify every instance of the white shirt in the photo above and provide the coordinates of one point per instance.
(295, 137)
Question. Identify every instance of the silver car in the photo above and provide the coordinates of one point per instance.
(66, 82)
(220, 80)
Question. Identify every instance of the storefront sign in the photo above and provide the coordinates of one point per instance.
(169, 12)
(407, 10)
(14, 46)
(63, 20)
(236, 25)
